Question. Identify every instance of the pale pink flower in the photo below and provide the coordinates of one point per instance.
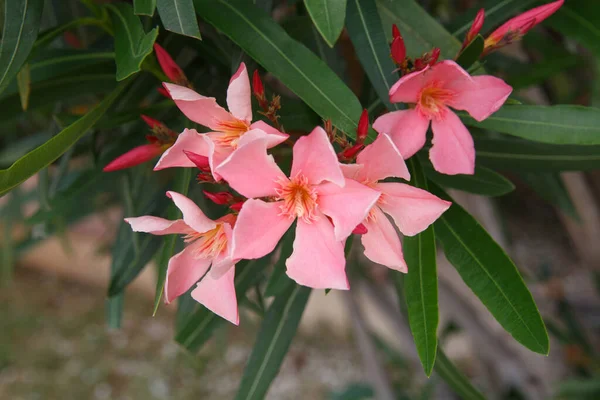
(433, 90)
(315, 193)
(207, 246)
(230, 128)
(516, 27)
(411, 208)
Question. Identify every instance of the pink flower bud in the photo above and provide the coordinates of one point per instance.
(475, 27)
(398, 50)
(360, 230)
(200, 161)
(133, 157)
(220, 198)
(168, 65)
(363, 127)
(351, 152)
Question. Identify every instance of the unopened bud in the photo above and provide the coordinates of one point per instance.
(151, 122)
(163, 92)
(220, 198)
(169, 66)
(205, 177)
(427, 59)
(257, 85)
(237, 206)
(398, 50)
(360, 230)
(133, 157)
(395, 31)
(200, 161)
(475, 27)
(351, 152)
(363, 127)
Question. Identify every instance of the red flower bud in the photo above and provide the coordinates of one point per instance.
(205, 177)
(257, 85)
(395, 31)
(360, 230)
(151, 122)
(219, 197)
(363, 127)
(237, 206)
(163, 92)
(475, 27)
(427, 59)
(398, 50)
(200, 161)
(351, 152)
(133, 157)
(168, 65)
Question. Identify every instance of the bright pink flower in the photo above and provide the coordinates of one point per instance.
(207, 246)
(230, 129)
(516, 27)
(411, 208)
(315, 193)
(135, 156)
(433, 90)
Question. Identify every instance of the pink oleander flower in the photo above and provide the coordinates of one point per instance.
(326, 206)
(433, 90)
(411, 208)
(207, 246)
(516, 27)
(231, 129)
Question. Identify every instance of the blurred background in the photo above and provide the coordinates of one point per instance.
(59, 338)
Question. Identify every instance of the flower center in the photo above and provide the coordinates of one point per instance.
(433, 100)
(229, 132)
(299, 198)
(207, 244)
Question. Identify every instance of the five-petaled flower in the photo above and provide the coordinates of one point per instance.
(411, 208)
(433, 90)
(207, 246)
(315, 192)
(230, 129)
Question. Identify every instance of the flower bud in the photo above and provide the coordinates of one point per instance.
(257, 85)
(363, 127)
(351, 152)
(151, 122)
(475, 27)
(398, 50)
(200, 161)
(395, 31)
(360, 230)
(220, 198)
(427, 59)
(169, 66)
(237, 206)
(163, 92)
(133, 157)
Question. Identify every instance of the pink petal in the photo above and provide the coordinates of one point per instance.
(183, 272)
(347, 206)
(450, 76)
(223, 262)
(453, 151)
(157, 226)
(314, 157)
(202, 110)
(258, 228)
(218, 295)
(188, 140)
(274, 137)
(351, 171)
(382, 159)
(406, 128)
(407, 89)
(483, 98)
(412, 209)
(257, 133)
(251, 171)
(318, 258)
(381, 242)
(239, 99)
(192, 215)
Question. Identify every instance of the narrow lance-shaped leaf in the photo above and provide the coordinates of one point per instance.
(471, 53)
(24, 84)
(273, 340)
(562, 124)
(132, 44)
(179, 16)
(369, 40)
(292, 63)
(144, 7)
(420, 284)
(19, 31)
(44, 155)
(455, 379)
(181, 185)
(491, 275)
(328, 17)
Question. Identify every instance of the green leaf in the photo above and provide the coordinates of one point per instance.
(181, 185)
(199, 326)
(292, 63)
(550, 187)
(421, 32)
(579, 389)
(471, 53)
(273, 340)
(114, 311)
(491, 275)
(144, 7)
(179, 16)
(561, 124)
(367, 35)
(279, 281)
(132, 45)
(485, 181)
(44, 155)
(522, 155)
(455, 379)
(580, 20)
(420, 284)
(19, 31)
(24, 83)
(328, 17)
(522, 75)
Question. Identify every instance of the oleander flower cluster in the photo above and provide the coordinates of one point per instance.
(335, 187)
